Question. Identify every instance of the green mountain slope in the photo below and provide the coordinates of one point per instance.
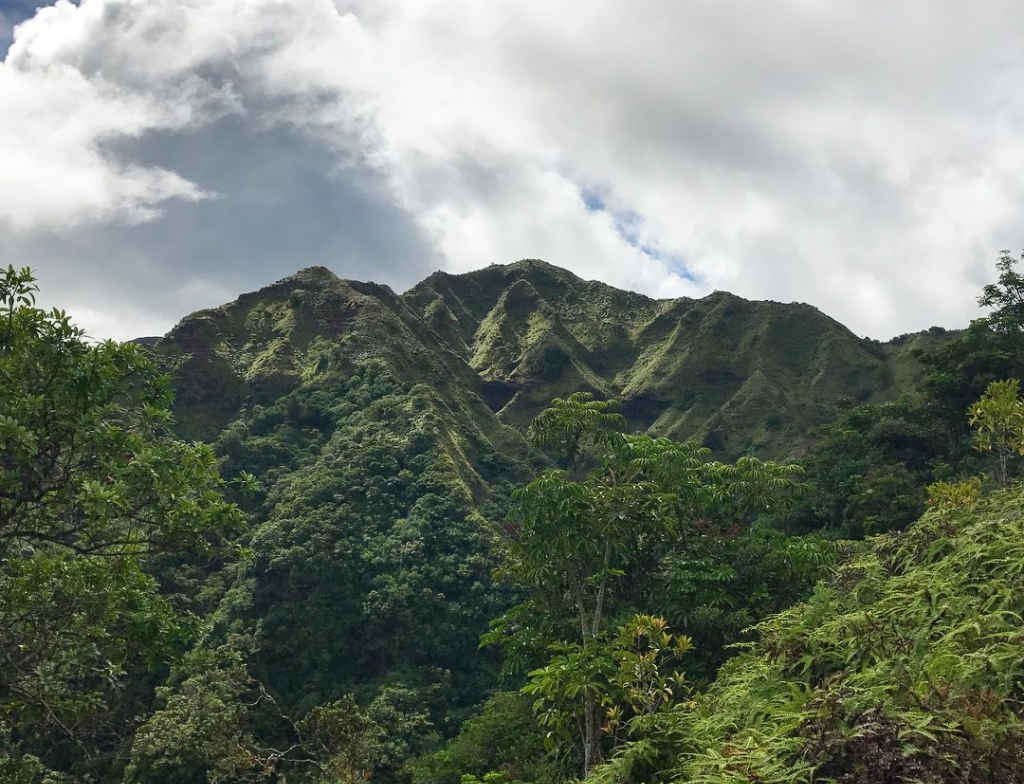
(906, 666)
(741, 376)
(379, 463)
(268, 344)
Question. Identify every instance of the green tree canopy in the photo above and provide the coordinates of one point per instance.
(998, 421)
(578, 540)
(1005, 297)
(92, 485)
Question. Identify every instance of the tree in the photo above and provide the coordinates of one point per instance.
(92, 485)
(501, 744)
(565, 427)
(1005, 297)
(209, 720)
(998, 418)
(991, 348)
(627, 677)
(574, 537)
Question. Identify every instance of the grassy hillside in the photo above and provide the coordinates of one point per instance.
(906, 666)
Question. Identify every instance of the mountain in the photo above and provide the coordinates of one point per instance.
(381, 467)
(499, 343)
(387, 432)
(267, 344)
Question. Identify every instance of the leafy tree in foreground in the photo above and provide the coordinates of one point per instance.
(1005, 298)
(208, 728)
(92, 484)
(998, 420)
(587, 547)
(991, 348)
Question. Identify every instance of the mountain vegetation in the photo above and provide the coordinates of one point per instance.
(502, 342)
(903, 666)
(509, 527)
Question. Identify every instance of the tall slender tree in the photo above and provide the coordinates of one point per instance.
(575, 537)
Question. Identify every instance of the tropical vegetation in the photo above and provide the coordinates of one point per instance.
(509, 527)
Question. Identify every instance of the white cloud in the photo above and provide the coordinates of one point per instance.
(863, 157)
(54, 172)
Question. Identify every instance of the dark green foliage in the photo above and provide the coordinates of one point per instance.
(342, 741)
(905, 666)
(503, 738)
(209, 719)
(201, 730)
(371, 563)
(552, 362)
(716, 588)
(958, 372)
(93, 488)
(869, 471)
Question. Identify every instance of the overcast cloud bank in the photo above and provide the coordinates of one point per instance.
(157, 156)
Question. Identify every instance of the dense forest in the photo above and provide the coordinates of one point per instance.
(510, 527)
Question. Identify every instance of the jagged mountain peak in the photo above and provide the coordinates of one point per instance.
(741, 375)
(314, 274)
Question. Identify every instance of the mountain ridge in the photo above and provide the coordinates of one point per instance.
(738, 374)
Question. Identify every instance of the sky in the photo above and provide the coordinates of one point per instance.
(162, 156)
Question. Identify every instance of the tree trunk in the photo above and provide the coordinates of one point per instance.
(592, 755)
(595, 625)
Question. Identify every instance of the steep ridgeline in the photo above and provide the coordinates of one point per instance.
(741, 376)
(267, 344)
